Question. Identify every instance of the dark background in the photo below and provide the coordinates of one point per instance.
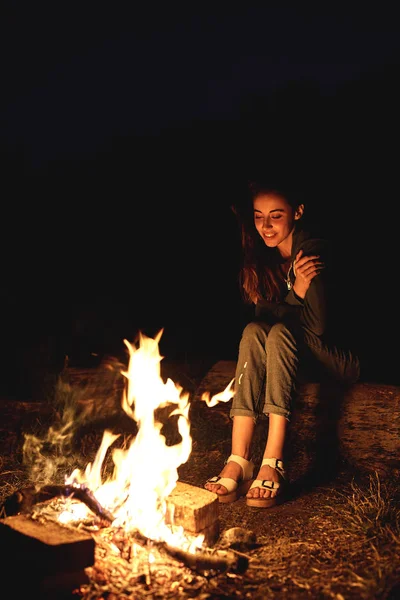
(128, 133)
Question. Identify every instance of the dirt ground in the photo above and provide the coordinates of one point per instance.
(337, 536)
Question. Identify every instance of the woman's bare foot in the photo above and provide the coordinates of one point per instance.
(232, 470)
(265, 473)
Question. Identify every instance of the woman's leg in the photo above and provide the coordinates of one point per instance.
(242, 434)
(248, 399)
(265, 353)
(274, 448)
(328, 360)
(283, 349)
(282, 354)
(250, 374)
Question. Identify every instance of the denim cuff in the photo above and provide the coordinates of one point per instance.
(276, 410)
(243, 412)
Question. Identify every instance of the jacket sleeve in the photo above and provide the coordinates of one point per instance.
(274, 312)
(310, 312)
(313, 314)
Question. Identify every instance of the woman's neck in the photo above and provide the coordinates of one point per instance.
(285, 247)
(285, 253)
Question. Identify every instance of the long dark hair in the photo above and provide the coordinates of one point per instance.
(261, 273)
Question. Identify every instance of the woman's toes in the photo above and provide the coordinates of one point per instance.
(265, 494)
(254, 493)
(213, 488)
(216, 489)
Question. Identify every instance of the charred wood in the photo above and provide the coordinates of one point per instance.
(228, 563)
(23, 500)
(221, 562)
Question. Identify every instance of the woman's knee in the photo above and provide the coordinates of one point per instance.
(255, 330)
(280, 334)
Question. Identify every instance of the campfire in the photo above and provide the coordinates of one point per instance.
(140, 514)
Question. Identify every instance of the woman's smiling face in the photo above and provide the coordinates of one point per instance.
(274, 219)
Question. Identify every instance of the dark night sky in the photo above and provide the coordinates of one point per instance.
(128, 132)
(76, 74)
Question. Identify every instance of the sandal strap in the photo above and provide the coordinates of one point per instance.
(247, 465)
(230, 484)
(275, 463)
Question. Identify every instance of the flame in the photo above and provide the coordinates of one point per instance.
(146, 472)
(223, 396)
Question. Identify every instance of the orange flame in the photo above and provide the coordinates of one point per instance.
(223, 396)
(147, 471)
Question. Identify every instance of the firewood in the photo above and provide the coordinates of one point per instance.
(23, 500)
(43, 547)
(222, 561)
(225, 563)
(195, 509)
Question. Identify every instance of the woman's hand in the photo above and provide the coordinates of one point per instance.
(305, 269)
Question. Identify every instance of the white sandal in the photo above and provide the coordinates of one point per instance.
(276, 464)
(235, 489)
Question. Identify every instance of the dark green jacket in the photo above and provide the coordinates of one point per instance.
(313, 311)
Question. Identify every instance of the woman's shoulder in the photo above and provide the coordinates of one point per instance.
(311, 242)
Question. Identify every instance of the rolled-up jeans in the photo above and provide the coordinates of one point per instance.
(273, 359)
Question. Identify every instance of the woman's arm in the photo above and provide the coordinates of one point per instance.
(309, 287)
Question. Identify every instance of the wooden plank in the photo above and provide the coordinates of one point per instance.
(46, 548)
(195, 509)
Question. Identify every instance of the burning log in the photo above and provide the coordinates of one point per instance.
(22, 501)
(193, 508)
(221, 562)
(230, 563)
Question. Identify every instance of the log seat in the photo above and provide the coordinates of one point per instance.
(358, 425)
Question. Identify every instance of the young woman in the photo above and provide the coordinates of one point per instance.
(286, 276)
